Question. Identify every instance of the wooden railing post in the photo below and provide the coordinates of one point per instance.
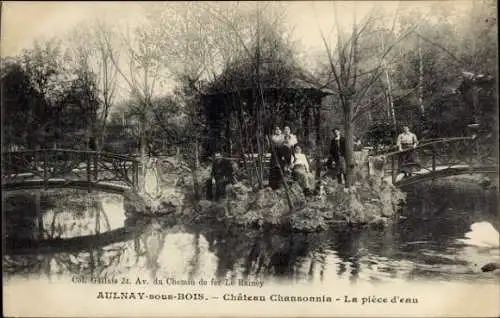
(477, 154)
(36, 163)
(135, 175)
(368, 166)
(393, 169)
(45, 169)
(433, 162)
(95, 156)
(89, 172)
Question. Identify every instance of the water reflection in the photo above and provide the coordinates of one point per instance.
(423, 244)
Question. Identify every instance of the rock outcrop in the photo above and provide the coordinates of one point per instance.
(370, 201)
(366, 203)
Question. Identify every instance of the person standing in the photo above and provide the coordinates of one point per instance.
(290, 140)
(277, 163)
(337, 155)
(406, 142)
(357, 144)
(223, 174)
(277, 137)
(301, 171)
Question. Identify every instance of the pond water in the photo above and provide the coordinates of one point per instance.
(423, 243)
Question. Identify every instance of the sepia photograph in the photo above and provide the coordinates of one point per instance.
(250, 158)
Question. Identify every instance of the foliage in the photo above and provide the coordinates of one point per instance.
(45, 100)
(453, 53)
(164, 133)
(429, 70)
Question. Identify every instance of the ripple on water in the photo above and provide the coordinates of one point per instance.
(422, 247)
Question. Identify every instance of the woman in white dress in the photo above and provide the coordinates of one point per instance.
(300, 169)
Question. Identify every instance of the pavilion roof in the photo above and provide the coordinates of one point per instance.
(293, 85)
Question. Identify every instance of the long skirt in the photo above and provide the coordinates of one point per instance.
(300, 175)
(407, 159)
(275, 177)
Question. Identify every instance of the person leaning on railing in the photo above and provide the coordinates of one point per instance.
(406, 142)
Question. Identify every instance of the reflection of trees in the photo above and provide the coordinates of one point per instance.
(439, 212)
(261, 254)
(229, 245)
(17, 224)
(247, 253)
(60, 216)
(346, 243)
(194, 264)
(150, 244)
(65, 214)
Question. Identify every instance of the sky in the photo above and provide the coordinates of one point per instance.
(24, 22)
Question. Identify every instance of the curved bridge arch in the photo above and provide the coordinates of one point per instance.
(68, 168)
(454, 171)
(442, 157)
(72, 244)
(59, 184)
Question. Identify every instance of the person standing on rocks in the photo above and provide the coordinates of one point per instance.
(222, 175)
(337, 156)
(277, 137)
(289, 142)
(301, 171)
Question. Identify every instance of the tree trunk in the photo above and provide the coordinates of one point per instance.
(194, 172)
(142, 145)
(390, 99)
(306, 125)
(420, 78)
(39, 216)
(348, 134)
(389, 88)
(317, 124)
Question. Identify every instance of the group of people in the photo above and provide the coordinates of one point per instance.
(287, 156)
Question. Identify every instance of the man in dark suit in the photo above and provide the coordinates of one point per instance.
(223, 174)
(337, 155)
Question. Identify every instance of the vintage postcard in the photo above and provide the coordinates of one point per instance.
(250, 159)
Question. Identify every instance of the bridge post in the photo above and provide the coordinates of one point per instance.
(135, 176)
(45, 168)
(393, 169)
(433, 162)
(95, 157)
(89, 173)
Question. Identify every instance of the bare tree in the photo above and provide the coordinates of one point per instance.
(186, 37)
(141, 70)
(94, 53)
(356, 69)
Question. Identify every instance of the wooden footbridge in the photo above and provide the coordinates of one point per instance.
(442, 157)
(67, 168)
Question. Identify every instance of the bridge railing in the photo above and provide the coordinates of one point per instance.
(69, 164)
(436, 154)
